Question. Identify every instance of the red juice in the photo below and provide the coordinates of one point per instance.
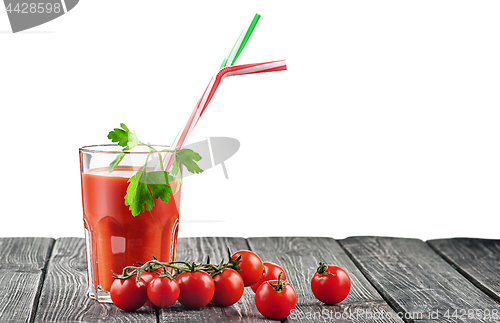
(114, 237)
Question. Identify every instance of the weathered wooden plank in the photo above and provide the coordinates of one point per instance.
(22, 265)
(24, 253)
(476, 259)
(418, 282)
(300, 257)
(64, 297)
(197, 250)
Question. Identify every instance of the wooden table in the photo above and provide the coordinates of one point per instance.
(393, 280)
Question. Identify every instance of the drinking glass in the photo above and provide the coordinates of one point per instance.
(114, 238)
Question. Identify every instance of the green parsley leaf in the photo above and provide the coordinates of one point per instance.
(187, 157)
(139, 198)
(138, 194)
(157, 182)
(124, 137)
(119, 136)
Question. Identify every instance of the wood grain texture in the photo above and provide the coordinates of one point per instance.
(64, 297)
(476, 259)
(197, 249)
(300, 257)
(22, 267)
(418, 282)
(24, 253)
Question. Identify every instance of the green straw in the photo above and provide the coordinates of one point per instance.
(240, 43)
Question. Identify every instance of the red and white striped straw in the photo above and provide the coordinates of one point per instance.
(210, 91)
(214, 84)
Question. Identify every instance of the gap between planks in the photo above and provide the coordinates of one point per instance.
(42, 281)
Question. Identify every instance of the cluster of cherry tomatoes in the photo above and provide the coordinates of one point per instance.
(194, 286)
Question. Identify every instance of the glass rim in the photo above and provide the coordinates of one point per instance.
(101, 149)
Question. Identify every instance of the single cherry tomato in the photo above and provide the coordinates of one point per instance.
(196, 289)
(163, 291)
(229, 287)
(128, 295)
(275, 299)
(271, 272)
(250, 266)
(330, 284)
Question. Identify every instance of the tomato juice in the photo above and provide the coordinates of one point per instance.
(114, 237)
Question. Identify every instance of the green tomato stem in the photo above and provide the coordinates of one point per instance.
(322, 269)
(280, 285)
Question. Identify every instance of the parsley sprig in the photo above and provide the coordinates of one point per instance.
(144, 185)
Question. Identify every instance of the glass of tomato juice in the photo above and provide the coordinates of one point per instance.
(114, 238)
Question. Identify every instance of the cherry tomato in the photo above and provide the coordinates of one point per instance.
(251, 266)
(275, 299)
(330, 284)
(163, 291)
(128, 295)
(271, 272)
(148, 276)
(196, 289)
(229, 287)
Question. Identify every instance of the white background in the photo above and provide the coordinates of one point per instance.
(385, 123)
